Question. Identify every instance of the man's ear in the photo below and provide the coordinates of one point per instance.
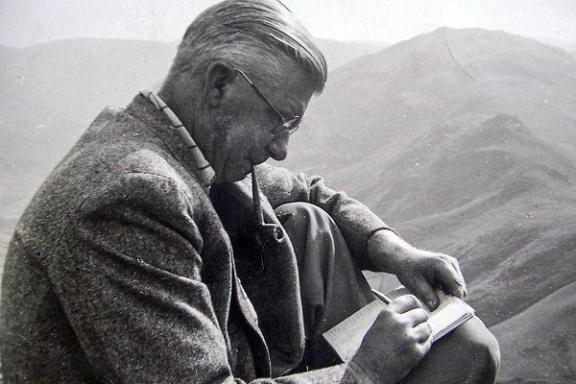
(218, 77)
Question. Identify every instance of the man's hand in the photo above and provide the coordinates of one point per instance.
(395, 343)
(420, 271)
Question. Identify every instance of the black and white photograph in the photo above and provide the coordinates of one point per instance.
(288, 191)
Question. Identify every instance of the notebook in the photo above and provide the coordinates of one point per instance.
(346, 337)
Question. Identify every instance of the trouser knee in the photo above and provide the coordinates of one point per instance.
(302, 220)
(468, 355)
(320, 248)
(488, 354)
(299, 207)
(482, 351)
(316, 238)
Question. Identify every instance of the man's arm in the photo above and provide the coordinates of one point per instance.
(419, 270)
(373, 243)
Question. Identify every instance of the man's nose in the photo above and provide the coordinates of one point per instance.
(278, 148)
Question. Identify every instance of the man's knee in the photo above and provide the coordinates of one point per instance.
(310, 229)
(470, 355)
(488, 352)
(480, 348)
(314, 235)
(301, 214)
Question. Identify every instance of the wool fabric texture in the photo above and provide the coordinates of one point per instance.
(122, 267)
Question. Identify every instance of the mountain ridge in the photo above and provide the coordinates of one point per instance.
(420, 86)
(514, 234)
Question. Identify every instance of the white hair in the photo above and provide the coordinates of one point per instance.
(254, 35)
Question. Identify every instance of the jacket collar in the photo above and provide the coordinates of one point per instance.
(144, 110)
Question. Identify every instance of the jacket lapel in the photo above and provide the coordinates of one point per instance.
(268, 271)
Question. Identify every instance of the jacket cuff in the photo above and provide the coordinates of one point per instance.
(384, 228)
(365, 263)
(359, 374)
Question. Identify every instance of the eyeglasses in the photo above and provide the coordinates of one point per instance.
(290, 125)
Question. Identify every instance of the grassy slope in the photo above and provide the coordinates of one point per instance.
(503, 202)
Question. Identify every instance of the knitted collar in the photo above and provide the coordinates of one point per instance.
(203, 168)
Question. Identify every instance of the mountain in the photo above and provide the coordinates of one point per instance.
(338, 53)
(444, 77)
(464, 141)
(50, 94)
(504, 203)
(567, 46)
(52, 91)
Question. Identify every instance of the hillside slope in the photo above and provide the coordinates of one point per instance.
(446, 77)
(464, 140)
(504, 203)
(51, 92)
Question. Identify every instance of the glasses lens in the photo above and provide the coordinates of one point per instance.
(290, 125)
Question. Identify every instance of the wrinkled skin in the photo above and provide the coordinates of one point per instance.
(403, 329)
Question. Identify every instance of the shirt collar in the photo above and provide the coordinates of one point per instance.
(203, 168)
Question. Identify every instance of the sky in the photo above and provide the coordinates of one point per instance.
(28, 22)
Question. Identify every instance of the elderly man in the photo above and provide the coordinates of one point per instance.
(158, 251)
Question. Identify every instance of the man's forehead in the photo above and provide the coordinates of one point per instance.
(290, 93)
(294, 107)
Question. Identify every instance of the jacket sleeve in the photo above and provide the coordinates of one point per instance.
(128, 272)
(356, 221)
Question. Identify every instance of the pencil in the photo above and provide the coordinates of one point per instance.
(381, 296)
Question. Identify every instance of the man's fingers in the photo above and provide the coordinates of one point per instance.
(450, 279)
(456, 266)
(416, 316)
(426, 344)
(422, 332)
(425, 292)
(404, 304)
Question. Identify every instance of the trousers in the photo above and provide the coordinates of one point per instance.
(333, 288)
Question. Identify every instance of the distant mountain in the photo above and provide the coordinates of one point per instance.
(50, 94)
(504, 203)
(464, 141)
(52, 91)
(338, 53)
(444, 77)
(567, 46)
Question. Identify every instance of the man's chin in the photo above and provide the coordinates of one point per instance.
(233, 175)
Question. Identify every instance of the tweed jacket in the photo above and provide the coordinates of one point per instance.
(124, 269)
